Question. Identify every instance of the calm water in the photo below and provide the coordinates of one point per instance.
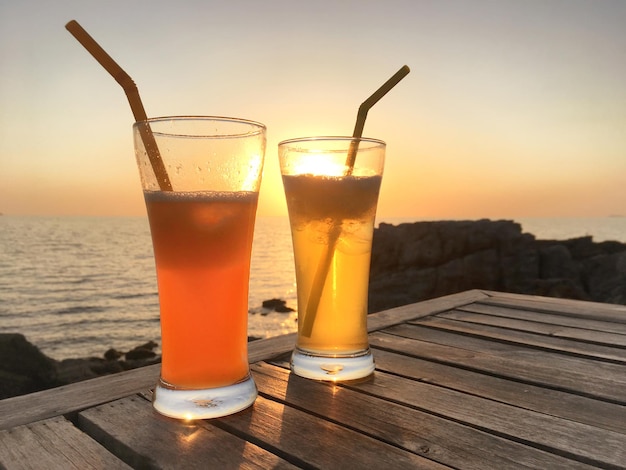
(76, 286)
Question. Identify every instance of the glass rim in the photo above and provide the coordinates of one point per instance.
(256, 127)
(340, 138)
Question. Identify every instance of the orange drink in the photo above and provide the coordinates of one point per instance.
(202, 244)
(332, 208)
(202, 232)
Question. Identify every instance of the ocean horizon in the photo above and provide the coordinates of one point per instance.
(76, 286)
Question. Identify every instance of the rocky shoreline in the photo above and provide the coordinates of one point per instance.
(25, 369)
(424, 260)
(410, 262)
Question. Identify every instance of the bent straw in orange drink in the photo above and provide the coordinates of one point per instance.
(132, 93)
(202, 221)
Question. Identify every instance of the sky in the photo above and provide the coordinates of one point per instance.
(512, 108)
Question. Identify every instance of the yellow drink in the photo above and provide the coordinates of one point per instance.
(332, 186)
(336, 214)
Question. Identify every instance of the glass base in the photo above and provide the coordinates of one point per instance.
(332, 368)
(204, 403)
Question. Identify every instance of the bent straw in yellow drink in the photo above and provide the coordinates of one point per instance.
(332, 185)
(325, 259)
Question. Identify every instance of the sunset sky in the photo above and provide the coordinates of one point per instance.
(512, 108)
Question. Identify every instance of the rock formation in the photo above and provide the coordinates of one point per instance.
(277, 305)
(423, 260)
(24, 368)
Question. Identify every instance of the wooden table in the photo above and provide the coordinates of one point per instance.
(479, 380)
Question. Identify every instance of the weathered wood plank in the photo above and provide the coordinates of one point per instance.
(576, 308)
(543, 336)
(130, 429)
(585, 377)
(77, 396)
(444, 441)
(574, 440)
(53, 443)
(507, 349)
(581, 332)
(267, 348)
(596, 368)
(393, 316)
(544, 400)
(316, 441)
(547, 318)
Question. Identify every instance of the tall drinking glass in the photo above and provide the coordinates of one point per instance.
(202, 238)
(332, 207)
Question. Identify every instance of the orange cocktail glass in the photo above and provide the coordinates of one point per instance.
(202, 238)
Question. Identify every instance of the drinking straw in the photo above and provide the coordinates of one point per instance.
(132, 93)
(365, 107)
(327, 256)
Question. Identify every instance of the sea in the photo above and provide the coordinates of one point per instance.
(77, 286)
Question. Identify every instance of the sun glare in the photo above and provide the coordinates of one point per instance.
(320, 165)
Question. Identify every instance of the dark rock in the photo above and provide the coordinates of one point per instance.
(561, 288)
(113, 354)
(604, 277)
(15, 384)
(284, 309)
(139, 353)
(413, 262)
(273, 303)
(278, 305)
(76, 370)
(99, 367)
(519, 268)
(23, 367)
(150, 345)
(30, 360)
(144, 351)
(136, 363)
(556, 261)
